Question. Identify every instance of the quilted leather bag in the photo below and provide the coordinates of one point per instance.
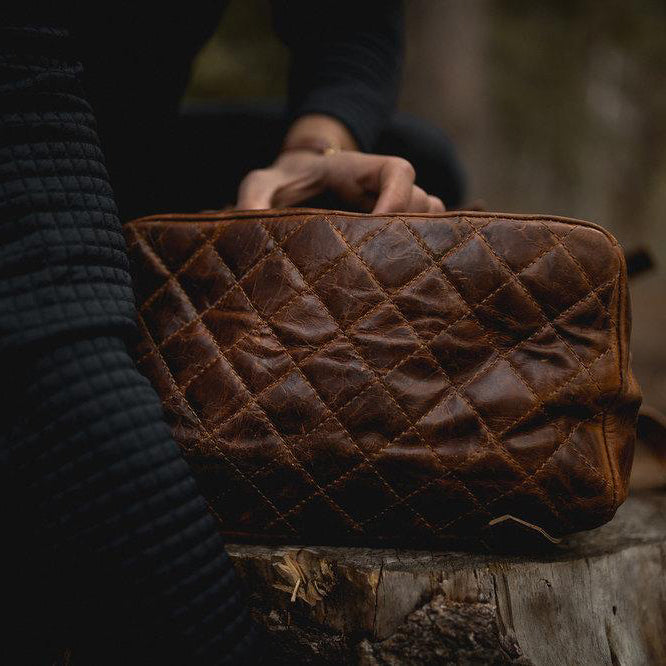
(345, 378)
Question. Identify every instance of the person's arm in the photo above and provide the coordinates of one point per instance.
(94, 469)
(346, 59)
(343, 83)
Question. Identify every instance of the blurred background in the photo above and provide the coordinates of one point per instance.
(555, 106)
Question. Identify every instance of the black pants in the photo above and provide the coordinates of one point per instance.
(201, 162)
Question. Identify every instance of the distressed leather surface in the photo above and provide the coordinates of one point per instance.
(337, 377)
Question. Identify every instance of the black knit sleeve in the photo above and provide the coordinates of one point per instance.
(96, 472)
(345, 60)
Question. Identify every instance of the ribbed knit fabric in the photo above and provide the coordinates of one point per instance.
(96, 481)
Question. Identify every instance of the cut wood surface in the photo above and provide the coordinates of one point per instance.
(596, 598)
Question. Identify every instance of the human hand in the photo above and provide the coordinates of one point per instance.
(376, 183)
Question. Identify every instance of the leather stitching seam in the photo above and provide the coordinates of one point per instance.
(268, 421)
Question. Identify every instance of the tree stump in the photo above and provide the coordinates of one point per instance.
(596, 598)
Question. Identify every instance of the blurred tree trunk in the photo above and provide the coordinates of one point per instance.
(445, 76)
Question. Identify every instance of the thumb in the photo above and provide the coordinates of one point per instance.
(256, 190)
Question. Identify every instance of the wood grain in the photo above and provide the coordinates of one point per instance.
(597, 598)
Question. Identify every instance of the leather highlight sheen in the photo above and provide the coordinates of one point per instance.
(344, 378)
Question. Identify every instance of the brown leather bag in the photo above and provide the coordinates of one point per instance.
(346, 378)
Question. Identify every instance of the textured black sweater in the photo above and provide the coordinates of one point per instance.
(110, 546)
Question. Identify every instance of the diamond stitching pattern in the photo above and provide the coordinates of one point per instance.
(270, 423)
(298, 333)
